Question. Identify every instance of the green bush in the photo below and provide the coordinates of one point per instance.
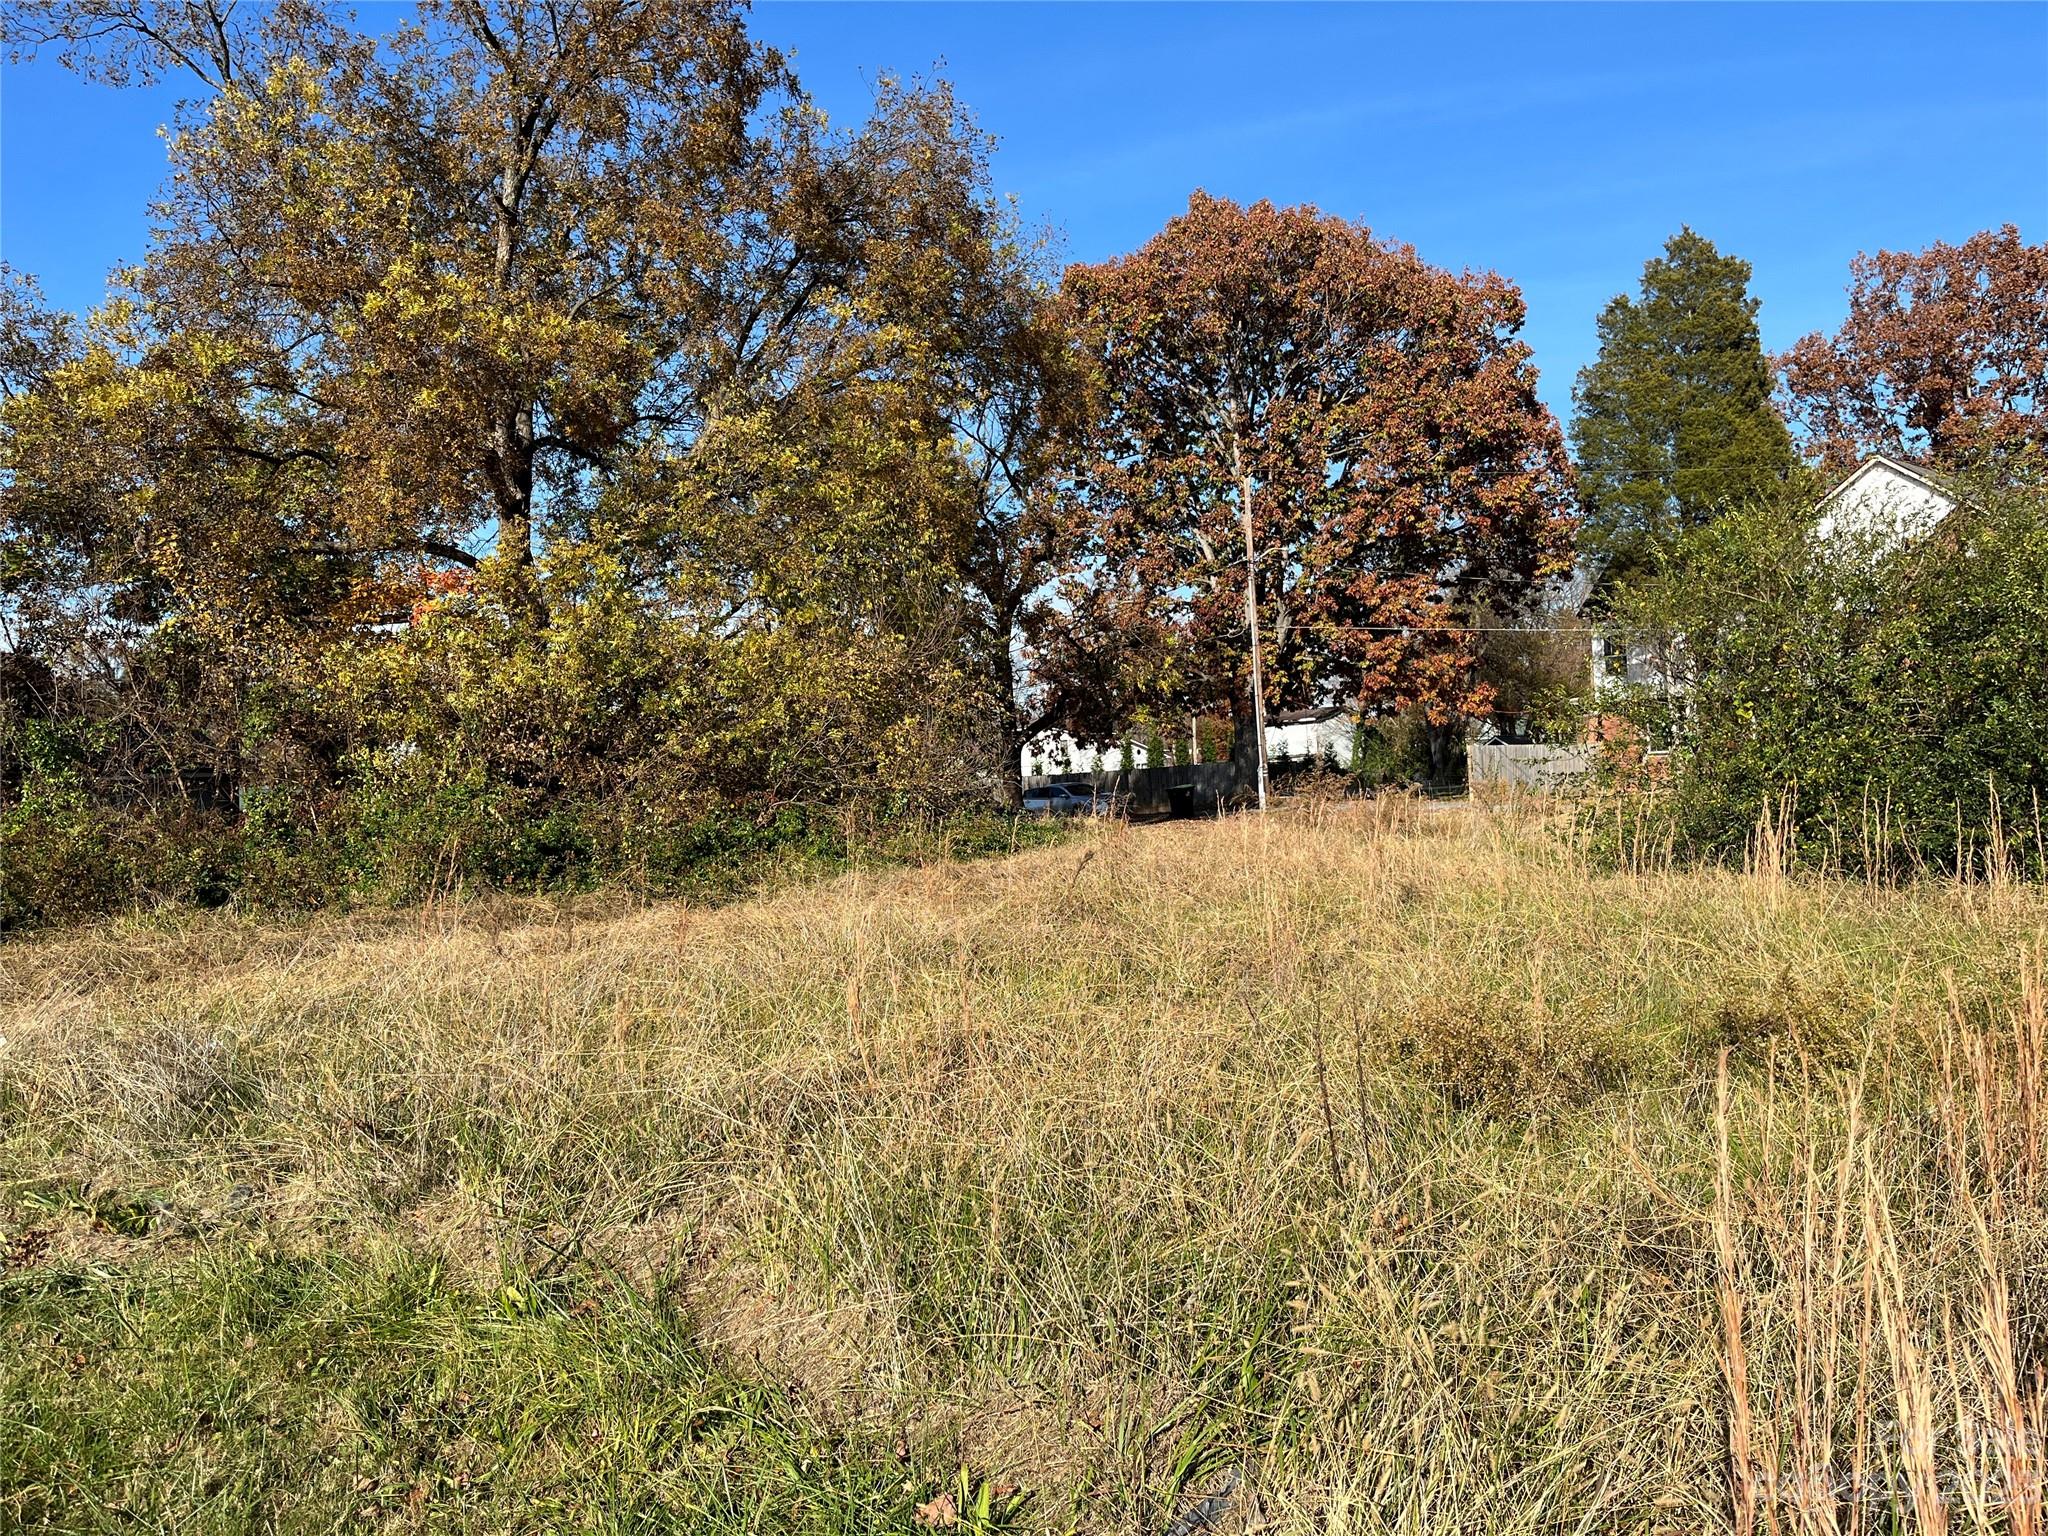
(1881, 706)
(470, 750)
(64, 857)
(1390, 750)
(394, 834)
(56, 859)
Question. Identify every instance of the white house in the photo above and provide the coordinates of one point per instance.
(1300, 736)
(1883, 500)
(1056, 752)
(1311, 735)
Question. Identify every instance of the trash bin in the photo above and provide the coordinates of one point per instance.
(1180, 801)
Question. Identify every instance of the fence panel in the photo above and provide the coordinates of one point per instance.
(1151, 789)
(1528, 767)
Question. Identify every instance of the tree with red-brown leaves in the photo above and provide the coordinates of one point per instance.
(1364, 422)
(1944, 356)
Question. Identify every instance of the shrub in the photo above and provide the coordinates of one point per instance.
(470, 749)
(1486, 1055)
(1877, 708)
(397, 833)
(1391, 750)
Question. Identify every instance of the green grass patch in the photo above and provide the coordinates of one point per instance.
(234, 1388)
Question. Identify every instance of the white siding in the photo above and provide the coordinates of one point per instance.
(1308, 740)
(1622, 662)
(1057, 753)
(1883, 502)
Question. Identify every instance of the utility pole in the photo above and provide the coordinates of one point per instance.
(1251, 613)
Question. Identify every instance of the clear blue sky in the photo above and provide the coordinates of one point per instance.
(1556, 145)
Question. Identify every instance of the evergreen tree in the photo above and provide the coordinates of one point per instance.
(1673, 421)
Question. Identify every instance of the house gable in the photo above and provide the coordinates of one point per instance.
(1884, 500)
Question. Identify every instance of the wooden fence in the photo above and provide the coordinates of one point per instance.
(1528, 767)
(1201, 787)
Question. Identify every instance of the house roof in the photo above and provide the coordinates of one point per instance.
(1905, 467)
(1308, 716)
(1919, 474)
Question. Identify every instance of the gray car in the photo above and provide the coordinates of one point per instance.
(1069, 800)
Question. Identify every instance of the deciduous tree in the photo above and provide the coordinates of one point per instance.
(1020, 410)
(1374, 417)
(1944, 356)
(459, 267)
(139, 42)
(456, 296)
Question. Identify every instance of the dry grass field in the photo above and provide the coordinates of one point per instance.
(1358, 1169)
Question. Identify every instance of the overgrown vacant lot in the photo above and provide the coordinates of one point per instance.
(1349, 1170)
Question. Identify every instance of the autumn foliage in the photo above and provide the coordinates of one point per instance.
(1374, 413)
(537, 445)
(1944, 357)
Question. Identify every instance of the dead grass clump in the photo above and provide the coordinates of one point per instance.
(165, 1082)
(1790, 1015)
(1493, 1056)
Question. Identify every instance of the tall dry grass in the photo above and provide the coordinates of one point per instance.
(1371, 1168)
(1870, 1257)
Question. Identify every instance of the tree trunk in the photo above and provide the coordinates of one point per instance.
(1010, 770)
(511, 475)
(1012, 776)
(1446, 753)
(1244, 747)
(1251, 614)
(511, 452)
(1009, 720)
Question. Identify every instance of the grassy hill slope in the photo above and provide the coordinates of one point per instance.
(1350, 1170)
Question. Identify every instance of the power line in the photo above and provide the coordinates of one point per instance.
(1445, 629)
(1471, 629)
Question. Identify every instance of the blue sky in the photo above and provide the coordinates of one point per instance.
(1556, 145)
